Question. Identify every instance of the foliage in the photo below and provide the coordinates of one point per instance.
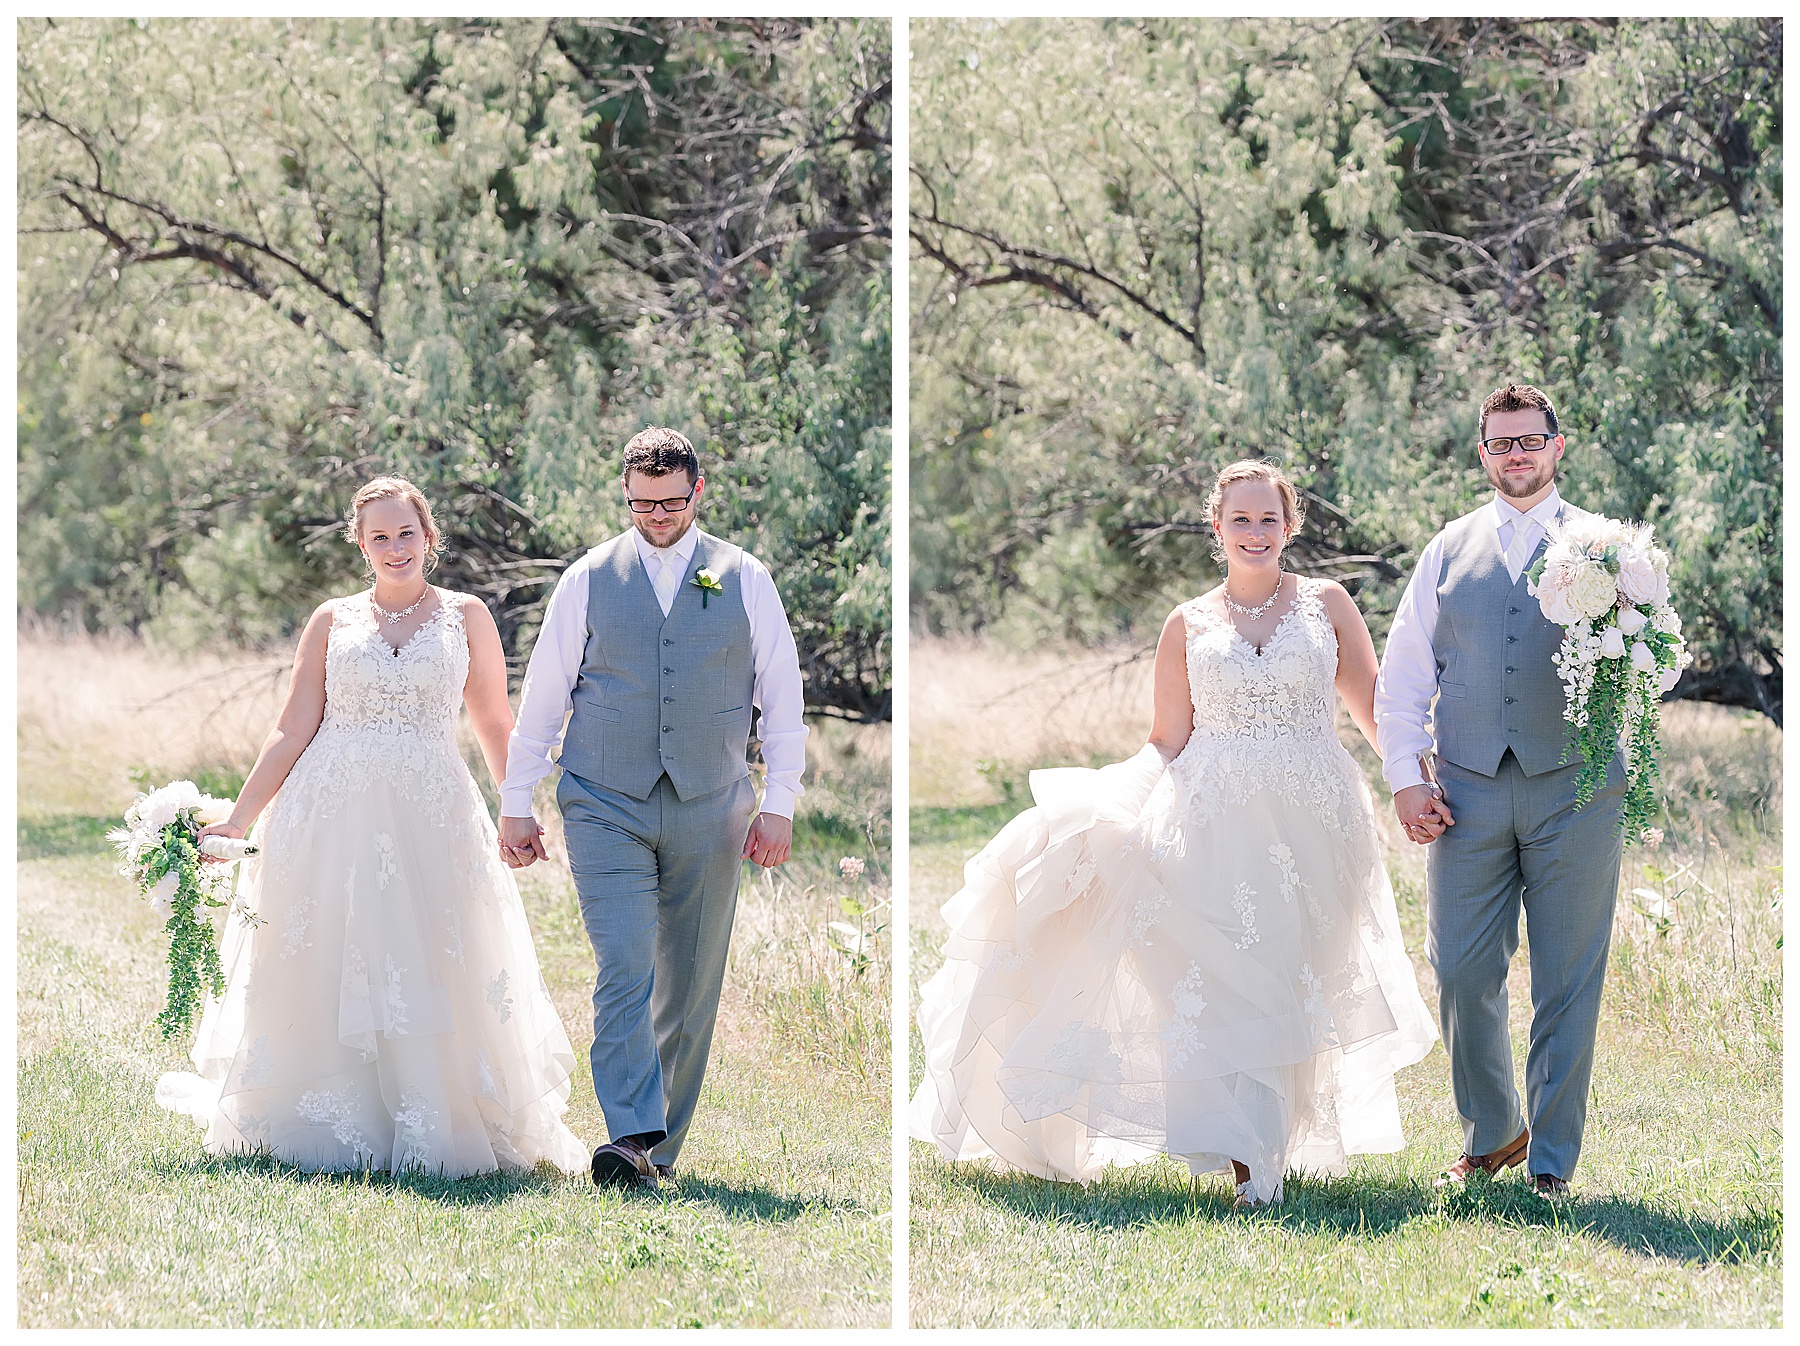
(264, 260)
(1145, 248)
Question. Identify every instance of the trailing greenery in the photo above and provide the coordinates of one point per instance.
(262, 261)
(1145, 248)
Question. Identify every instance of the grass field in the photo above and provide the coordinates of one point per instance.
(1678, 1212)
(780, 1215)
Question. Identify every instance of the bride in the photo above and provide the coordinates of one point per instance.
(385, 1009)
(1194, 952)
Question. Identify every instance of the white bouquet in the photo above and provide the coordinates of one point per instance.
(1607, 584)
(161, 844)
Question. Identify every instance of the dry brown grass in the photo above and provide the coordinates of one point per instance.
(92, 708)
(983, 716)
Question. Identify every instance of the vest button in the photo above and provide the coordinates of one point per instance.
(1509, 702)
(669, 670)
(668, 642)
(1510, 640)
(669, 728)
(669, 700)
(1509, 610)
(1508, 670)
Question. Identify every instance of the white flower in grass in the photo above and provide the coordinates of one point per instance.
(850, 868)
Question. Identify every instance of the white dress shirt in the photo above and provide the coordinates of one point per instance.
(1408, 678)
(561, 645)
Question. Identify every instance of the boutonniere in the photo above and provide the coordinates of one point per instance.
(709, 585)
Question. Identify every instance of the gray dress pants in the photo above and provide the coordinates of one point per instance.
(657, 881)
(1518, 841)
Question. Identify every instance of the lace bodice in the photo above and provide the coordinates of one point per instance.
(1265, 721)
(1283, 693)
(388, 715)
(371, 688)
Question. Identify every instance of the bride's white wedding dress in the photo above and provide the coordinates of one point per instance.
(387, 1011)
(1200, 959)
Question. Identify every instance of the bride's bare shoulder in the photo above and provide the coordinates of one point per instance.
(1209, 602)
(1187, 616)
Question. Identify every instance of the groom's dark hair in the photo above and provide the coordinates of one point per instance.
(658, 451)
(1517, 397)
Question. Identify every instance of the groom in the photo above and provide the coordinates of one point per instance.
(1499, 816)
(656, 645)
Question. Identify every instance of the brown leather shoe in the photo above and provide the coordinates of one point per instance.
(1551, 1188)
(623, 1163)
(1508, 1156)
(664, 1172)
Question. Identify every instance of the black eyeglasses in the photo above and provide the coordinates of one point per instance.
(673, 505)
(1502, 444)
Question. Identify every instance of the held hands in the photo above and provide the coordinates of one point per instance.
(1423, 813)
(771, 838)
(521, 842)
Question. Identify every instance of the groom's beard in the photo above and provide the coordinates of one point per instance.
(640, 522)
(1518, 489)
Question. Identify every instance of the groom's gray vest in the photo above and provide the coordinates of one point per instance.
(1497, 688)
(662, 694)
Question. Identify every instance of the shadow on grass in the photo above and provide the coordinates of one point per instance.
(754, 1201)
(745, 1202)
(1354, 1208)
(484, 1189)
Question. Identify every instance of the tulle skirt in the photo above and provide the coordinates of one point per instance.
(387, 1011)
(1201, 960)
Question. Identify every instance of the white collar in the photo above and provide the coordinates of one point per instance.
(682, 551)
(1543, 513)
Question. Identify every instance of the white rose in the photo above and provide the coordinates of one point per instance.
(1637, 577)
(1593, 591)
(1612, 644)
(162, 895)
(213, 810)
(1557, 605)
(1631, 621)
(1641, 657)
(1666, 681)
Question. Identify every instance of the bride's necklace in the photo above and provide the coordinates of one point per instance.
(1259, 609)
(407, 612)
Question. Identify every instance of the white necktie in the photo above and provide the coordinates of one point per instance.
(666, 578)
(1518, 551)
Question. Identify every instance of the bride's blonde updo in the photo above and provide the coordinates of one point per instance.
(397, 488)
(1254, 469)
